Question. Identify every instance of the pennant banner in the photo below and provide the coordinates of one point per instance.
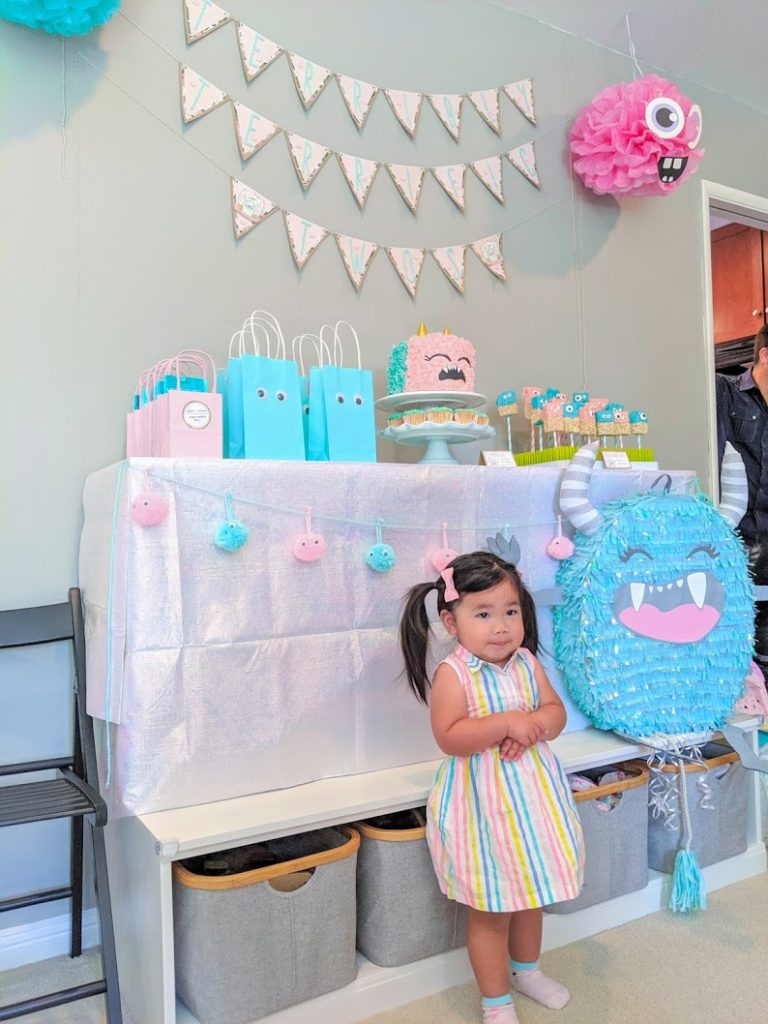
(303, 237)
(249, 208)
(406, 107)
(253, 131)
(307, 156)
(486, 103)
(408, 263)
(408, 181)
(452, 177)
(357, 255)
(359, 174)
(489, 251)
(198, 96)
(450, 259)
(490, 173)
(523, 158)
(358, 96)
(521, 94)
(256, 51)
(310, 79)
(447, 106)
(202, 17)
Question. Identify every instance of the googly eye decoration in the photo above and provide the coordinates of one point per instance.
(150, 507)
(310, 546)
(380, 556)
(444, 555)
(231, 534)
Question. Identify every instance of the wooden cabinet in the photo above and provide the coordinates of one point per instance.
(739, 281)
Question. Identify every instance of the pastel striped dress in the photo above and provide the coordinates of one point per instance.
(504, 835)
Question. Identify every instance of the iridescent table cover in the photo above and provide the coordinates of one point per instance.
(228, 673)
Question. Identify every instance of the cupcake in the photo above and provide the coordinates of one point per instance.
(396, 419)
(506, 403)
(415, 417)
(465, 416)
(482, 419)
(440, 415)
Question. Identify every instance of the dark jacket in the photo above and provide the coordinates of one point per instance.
(742, 419)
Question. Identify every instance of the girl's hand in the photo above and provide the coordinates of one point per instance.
(524, 727)
(511, 750)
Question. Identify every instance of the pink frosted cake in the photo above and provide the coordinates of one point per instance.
(438, 361)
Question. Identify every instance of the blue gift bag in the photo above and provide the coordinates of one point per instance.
(271, 399)
(298, 357)
(349, 408)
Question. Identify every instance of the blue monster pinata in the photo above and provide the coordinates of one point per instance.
(654, 635)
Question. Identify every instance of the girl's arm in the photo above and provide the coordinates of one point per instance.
(454, 731)
(550, 712)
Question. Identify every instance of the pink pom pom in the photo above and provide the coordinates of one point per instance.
(149, 509)
(442, 558)
(309, 547)
(637, 138)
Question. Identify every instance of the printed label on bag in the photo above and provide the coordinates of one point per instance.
(196, 415)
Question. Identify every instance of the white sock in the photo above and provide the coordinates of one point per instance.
(537, 986)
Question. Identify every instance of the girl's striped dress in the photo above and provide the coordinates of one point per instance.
(504, 835)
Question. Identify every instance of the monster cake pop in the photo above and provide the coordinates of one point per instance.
(638, 425)
(506, 405)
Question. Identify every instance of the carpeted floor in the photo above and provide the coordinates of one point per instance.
(662, 969)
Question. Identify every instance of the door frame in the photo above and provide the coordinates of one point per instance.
(750, 209)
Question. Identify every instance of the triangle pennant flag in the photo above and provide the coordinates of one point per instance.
(256, 52)
(521, 94)
(202, 17)
(357, 255)
(358, 96)
(359, 174)
(524, 159)
(451, 177)
(406, 107)
(488, 251)
(408, 181)
(310, 79)
(486, 103)
(450, 259)
(447, 106)
(490, 173)
(253, 131)
(249, 208)
(307, 156)
(408, 263)
(198, 96)
(303, 236)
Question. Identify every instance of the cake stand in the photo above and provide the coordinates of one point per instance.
(435, 436)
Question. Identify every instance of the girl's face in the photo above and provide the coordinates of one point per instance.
(489, 624)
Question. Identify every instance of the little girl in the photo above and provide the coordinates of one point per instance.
(501, 825)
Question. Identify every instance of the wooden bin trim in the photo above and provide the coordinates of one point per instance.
(709, 762)
(289, 867)
(394, 835)
(641, 779)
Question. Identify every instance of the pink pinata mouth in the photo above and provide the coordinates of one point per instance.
(682, 611)
(685, 624)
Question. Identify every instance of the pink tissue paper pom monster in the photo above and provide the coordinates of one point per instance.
(637, 138)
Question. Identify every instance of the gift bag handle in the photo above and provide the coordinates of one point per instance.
(268, 322)
(318, 344)
(153, 376)
(196, 357)
(338, 348)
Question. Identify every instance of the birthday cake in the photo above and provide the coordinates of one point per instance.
(431, 361)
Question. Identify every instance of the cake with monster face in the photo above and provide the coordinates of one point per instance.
(431, 361)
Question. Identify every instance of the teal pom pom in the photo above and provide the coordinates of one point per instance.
(231, 535)
(688, 889)
(380, 557)
(59, 17)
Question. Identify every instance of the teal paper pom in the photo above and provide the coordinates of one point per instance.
(398, 359)
(380, 557)
(231, 535)
(59, 17)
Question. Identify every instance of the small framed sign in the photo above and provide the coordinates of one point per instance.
(497, 459)
(616, 459)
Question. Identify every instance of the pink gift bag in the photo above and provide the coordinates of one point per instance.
(190, 422)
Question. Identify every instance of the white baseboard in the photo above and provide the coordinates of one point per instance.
(40, 940)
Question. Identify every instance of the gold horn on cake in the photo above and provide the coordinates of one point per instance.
(422, 330)
(447, 330)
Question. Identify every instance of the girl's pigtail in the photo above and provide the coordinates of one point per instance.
(414, 639)
(530, 626)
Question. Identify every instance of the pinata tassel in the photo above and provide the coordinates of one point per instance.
(688, 889)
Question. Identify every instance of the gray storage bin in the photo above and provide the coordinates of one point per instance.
(615, 840)
(718, 832)
(401, 914)
(254, 941)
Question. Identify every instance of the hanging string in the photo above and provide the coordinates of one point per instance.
(684, 487)
(64, 107)
(110, 619)
(637, 70)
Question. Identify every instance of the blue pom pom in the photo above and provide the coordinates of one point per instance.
(688, 892)
(231, 535)
(380, 557)
(59, 17)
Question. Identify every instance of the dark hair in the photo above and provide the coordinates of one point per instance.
(472, 574)
(761, 342)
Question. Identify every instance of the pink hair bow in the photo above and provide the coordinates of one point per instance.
(451, 593)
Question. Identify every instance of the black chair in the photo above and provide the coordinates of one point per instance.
(73, 794)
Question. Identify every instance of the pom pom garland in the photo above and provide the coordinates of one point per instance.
(231, 534)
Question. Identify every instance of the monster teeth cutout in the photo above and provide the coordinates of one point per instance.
(697, 584)
(671, 168)
(637, 591)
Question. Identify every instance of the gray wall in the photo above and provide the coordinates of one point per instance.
(117, 245)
